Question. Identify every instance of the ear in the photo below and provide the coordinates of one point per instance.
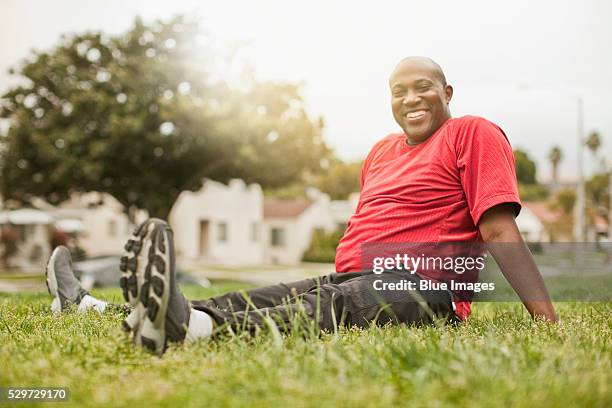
(448, 91)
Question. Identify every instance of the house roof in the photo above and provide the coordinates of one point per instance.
(542, 210)
(601, 224)
(25, 216)
(83, 201)
(279, 208)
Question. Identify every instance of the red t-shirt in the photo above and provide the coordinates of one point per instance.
(433, 192)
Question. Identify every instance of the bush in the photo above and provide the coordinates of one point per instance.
(322, 246)
(532, 192)
(535, 247)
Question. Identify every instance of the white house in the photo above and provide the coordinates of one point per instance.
(533, 220)
(289, 225)
(342, 210)
(33, 230)
(234, 224)
(219, 223)
(530, 226)
(98, 220)
(230, 224)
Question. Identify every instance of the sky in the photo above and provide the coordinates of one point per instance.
(524, 65)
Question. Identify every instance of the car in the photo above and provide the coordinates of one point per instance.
(103, 271)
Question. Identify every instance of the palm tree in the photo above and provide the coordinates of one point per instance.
(593, 142)
(555, 156)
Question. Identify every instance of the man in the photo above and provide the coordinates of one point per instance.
(441, 180)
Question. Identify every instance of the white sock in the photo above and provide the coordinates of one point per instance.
(90, 302)
(200, 325)
(56, 305)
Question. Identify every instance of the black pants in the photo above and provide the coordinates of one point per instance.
(338, 299)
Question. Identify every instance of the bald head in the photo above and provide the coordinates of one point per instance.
(419, 97)
(417, 62)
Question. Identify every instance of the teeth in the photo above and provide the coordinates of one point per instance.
(414, 115)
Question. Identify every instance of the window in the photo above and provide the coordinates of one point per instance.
(254, 232)
(222, 231)
(277, 237)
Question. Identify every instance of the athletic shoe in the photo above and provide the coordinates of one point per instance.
(61, 282)
(167, 310)
(132, 265)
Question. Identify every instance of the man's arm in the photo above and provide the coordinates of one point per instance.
(499, 230)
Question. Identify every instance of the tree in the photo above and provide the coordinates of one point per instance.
(278, 143)
(598, 196)
(340, 180)
(322, 246)
(112, 114)
(565, 200)
(593, 142)
(597, 188)
(562, 228)
(145, 115)
(555, 156)
(532, 192)
(525, 167)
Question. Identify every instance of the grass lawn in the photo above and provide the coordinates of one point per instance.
(499, 358)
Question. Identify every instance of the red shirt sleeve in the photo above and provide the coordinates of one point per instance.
(486, 166)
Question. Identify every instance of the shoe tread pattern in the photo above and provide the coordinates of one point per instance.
(129, 264)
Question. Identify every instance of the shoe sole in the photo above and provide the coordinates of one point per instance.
(158, 279)
(132, 267)
(51, 281)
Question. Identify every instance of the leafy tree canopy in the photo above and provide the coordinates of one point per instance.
(145, 115)
(525, 167)
(598, 194)
(341, 179)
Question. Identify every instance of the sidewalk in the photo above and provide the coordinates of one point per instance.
(260, 275)
(22, 285)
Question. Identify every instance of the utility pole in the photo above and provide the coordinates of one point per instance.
(579, 221)
(579, 207)
(610, 203)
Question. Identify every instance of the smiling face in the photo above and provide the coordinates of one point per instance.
(419, 98)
